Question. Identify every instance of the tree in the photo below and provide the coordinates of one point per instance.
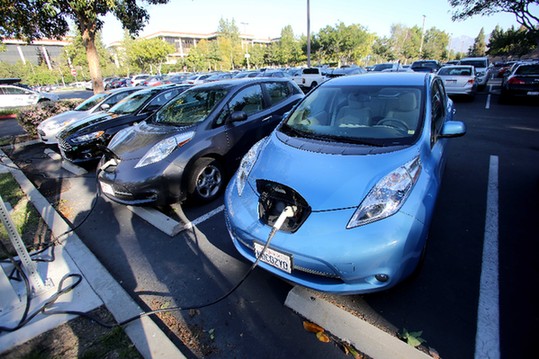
(520, 8)
(147, 53)
(513, 43)
(36, 19)
(436, 44)
(479, 46)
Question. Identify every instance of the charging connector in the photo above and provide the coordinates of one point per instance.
(288, 211)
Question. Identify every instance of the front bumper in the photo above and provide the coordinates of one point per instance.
(325, 255)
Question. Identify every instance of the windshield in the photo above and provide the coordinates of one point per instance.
(368, 115)
(191, 106)
(131, 103)
(91, 102)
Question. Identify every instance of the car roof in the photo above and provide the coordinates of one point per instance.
(238, 82)
(381, 79)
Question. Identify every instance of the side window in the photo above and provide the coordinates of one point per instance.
(111, 101)
(278, 91)
(437, 110)
(248, 100)
(160, 100)
(15, 91)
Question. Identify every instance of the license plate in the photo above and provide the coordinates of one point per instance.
(451, 81)
(107, 188)
(274, 258)
(533, 93)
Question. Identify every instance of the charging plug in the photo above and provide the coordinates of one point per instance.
(288, 211)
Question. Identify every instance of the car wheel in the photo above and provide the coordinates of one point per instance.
(206, 180)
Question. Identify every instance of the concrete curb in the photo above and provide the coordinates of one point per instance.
(149, 339)
(364, 336)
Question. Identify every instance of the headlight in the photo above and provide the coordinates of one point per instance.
(247, 163)
(163, 148)
(388, 195)
(88, 137)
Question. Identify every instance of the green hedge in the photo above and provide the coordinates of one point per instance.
(29, 118)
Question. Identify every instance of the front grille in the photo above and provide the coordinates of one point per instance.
(64, 145)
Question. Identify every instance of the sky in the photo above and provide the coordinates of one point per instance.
(266, 19)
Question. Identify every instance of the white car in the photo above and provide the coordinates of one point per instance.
(481, 65)
(459, 79)
(48, 129)
(17, 96)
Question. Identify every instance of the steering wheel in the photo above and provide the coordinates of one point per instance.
(394, 122)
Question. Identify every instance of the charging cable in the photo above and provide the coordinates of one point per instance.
(288, 212)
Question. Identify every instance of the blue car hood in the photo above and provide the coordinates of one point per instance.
(134, 141)
(326, 181)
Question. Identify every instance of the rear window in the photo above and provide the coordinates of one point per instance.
(475, 63)
(311, 71)
(528, 70)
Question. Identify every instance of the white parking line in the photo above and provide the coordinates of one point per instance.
(487, 339)
(204, 217)
(487, 106)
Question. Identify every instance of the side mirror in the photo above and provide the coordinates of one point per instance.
(453, 129)
(237, 116)
(105, 106)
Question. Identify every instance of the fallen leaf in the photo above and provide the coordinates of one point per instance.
(323, 337)
(311, 327)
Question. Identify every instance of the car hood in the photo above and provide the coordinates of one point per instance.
(86, 122)
(326, 181)
(64, 116)
(133, 142)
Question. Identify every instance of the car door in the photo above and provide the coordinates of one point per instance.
(440, 113)
(241, 135)
(17, 97)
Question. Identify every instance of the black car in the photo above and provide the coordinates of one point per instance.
(431, 66)
(523, 81)
(190, 147)
(85, 140)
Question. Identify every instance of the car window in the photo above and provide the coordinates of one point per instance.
(114, 99)
(527, 70)
(132, 103)
(278, 91)
(437, 110)
(16, 91)
(374, 115)
(191, 106)
(161, 99)
(91, 102)
(248, 100)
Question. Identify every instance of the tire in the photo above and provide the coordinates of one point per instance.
(206, 181)
(313, 85)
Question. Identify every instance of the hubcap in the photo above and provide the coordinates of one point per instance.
(209, 182)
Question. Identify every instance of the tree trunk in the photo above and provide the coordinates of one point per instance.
(88, 38)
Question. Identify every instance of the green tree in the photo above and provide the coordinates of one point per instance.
(435, 45)
(405, 42)
(479, 47)
(148, 53)
(229, 52)
(513, 43)
(74, 55)
(36, 19)
(464, 9)
(344, 44)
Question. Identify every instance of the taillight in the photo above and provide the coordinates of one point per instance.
(515, 81)
(471, 81)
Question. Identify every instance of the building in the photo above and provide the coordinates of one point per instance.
(37, 53)
(183, 42)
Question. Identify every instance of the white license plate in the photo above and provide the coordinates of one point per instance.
(274, 258)
(533, 93)
(107, 188)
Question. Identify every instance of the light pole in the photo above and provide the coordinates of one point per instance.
(422, 36)
(308, 34)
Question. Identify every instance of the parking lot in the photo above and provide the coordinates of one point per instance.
(483, 241)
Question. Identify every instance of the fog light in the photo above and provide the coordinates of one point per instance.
(382, 277)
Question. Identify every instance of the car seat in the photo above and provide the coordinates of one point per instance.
(406, 110)
(355, 113)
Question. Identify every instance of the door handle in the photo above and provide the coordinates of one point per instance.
(265, 119)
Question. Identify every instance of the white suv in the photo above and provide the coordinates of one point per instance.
(16, 96)
(481, 65)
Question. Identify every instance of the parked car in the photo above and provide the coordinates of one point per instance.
(85, 140)
(346, 71)
(219, 77)
(388, 67)
(309, 77)
(197, 79)
(49, 128)
(15, 95)
(245, 74)
(138, 80)
(272, 73)
(355, 168)
(156, 80)
(481, 65)
(523, 81)
(189, 148)
(459, 80)
(425, 66)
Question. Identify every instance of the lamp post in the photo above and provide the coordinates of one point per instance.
(308, 34)
(422, 36)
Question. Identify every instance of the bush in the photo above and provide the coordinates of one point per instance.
(29, 118)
